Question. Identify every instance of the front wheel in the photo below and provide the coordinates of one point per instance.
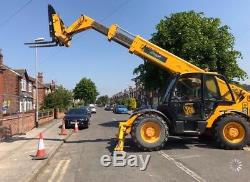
(150, 132)
(232, 132)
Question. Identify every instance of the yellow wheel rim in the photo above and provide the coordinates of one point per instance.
(150, 132)
(234, 132)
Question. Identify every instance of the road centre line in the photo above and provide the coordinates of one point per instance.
(187, 157)
(65, 166)
(62, 163)
(55, 172)
(182, 167)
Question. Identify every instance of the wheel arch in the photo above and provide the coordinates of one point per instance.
(155, 112)
(232, 112)
(241, 114)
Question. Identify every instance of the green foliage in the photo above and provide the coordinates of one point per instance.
(122, 101)
(86, 90)
(60, 98)
(102, 100)
(131, 103)
(200, 40)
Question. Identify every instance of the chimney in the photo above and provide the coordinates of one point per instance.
(40, 77)
(1, 57)
(53, 85)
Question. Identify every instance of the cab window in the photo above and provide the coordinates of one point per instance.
(216, 89)
(188, 88)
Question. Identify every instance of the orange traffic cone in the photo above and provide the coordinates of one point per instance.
(63, 130)
(76, 127)
(40, 155)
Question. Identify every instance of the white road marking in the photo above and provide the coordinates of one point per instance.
(61, 167)
(182, 167)
(113, 119)
(187, 156)
(65, 166)
(55, 172)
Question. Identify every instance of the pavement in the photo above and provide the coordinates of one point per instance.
(16, 153)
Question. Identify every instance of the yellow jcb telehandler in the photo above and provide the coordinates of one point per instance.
(195, 101)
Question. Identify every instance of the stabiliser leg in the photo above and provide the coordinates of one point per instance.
(121, 136)
(124, 129)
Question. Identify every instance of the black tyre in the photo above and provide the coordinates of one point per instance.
(150, 132)
(232, 132)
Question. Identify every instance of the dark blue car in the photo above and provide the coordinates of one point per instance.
(79, 115)
(121, 109)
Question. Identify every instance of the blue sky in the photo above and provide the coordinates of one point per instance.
(109, 65)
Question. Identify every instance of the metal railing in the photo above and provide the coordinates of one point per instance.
(45, 113)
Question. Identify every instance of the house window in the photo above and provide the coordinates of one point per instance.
(23, 85)
(21, 106)
(30, 87)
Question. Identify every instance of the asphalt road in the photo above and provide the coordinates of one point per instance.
(183, 159)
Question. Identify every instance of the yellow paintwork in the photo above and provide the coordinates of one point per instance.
(150, 132)
(112, 31)
(174, 64)
(234, 132)
(166, 61)
(124, 129)
(60, 31)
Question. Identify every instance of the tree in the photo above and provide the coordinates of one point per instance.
(102, 100)
(60, 98)
(132, 103)
(86, 90)
(200, 40)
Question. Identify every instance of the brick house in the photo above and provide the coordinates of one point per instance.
(33, 81)
(26, 91)
(41, 90)
(18, 90)
(9, 89)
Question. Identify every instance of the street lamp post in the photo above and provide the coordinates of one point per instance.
(36, 41)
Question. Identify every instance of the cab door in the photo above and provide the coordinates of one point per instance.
(186, 100)
(186, 103)
(216, 92)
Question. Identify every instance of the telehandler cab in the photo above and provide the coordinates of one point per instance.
(195, 101)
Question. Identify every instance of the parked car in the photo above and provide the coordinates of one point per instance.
(120, 109)
(88, 109)
(92, 108)
(108, 108)
(79, 115)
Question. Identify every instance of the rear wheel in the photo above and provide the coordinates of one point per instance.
(150, 132)
(232, 132)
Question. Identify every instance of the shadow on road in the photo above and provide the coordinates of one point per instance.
(172, 144)
(14, 139)
(129, 146)
(114, 124)
(188, 142)
(88, 141)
